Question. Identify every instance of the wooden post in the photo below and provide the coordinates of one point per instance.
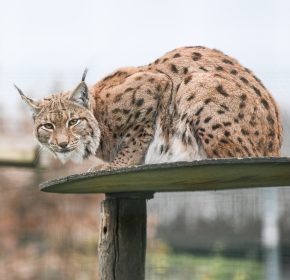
(122, 239)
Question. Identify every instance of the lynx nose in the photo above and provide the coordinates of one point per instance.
(63, 144)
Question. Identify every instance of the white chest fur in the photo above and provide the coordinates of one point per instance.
(176, 150)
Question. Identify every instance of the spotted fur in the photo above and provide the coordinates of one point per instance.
(192, 103)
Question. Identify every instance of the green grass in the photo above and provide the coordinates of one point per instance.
(164, 265)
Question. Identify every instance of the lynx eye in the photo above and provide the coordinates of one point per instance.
(48, 126)
(73, 122)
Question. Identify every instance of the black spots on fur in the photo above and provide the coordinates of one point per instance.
(107, 95)
(177, 55)
(227, 133)
(118, 98)
(116, 110)
(270, 146)
(210, 135)
(203, 69)
(149, 110)
(165, 59)
(271, 133)
(207, 101)
(234, 72)
(190, 97)
(219, 68)
(242, 105)
(206, 120)
(265, 103)
(224, 106)
(244, 80)
(156, 61)
(240, 140)
(243, 97)
(257, 133)
(248, 70)
(183, 116)
(259, 81)
(227, 61)
(139, 78)
(206, 141)
(199, 111)
(136, 127)
(241, 116)
(187, 79)
(224, 141)
(114, 135)
(246, 150)
(196, 56)
(128, 89)
(215, 153)
(227, 124)
(129, 118)
(161, 149)
(222, 91)
(230, 154)
(270, 119)
(185, 70)
(137, 114)
(257, 91)
(126, 111)
(216, 126)
(173, 68)
(140, 102)
(220, 112)
(112, 76)
(219, 76)
(133, 100)
(245, 131)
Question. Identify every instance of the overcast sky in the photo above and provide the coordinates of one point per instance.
(47, 44)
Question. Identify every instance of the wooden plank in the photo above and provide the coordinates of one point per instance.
(122, 242)
(214, 174)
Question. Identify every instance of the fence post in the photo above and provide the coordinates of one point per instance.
(122, 239)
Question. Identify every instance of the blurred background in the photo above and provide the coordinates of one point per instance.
(44, 48)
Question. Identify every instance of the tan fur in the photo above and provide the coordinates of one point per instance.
(194, 96)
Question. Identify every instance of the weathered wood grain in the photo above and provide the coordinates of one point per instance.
(122, 241)
(201, 175)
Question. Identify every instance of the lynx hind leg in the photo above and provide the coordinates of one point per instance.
(219, 114)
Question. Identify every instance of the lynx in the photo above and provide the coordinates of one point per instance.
(193, 103)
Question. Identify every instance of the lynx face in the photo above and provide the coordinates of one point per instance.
(65, 125)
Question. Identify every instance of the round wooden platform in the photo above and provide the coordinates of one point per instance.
(213, 174)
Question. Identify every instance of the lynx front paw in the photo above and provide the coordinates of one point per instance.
(99, 167)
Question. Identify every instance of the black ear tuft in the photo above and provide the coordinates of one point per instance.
(33, 105)
(84, 74)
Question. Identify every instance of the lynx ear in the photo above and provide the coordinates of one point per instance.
(33, 105)
(81, 93)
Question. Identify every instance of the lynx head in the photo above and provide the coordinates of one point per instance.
(64, 123)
